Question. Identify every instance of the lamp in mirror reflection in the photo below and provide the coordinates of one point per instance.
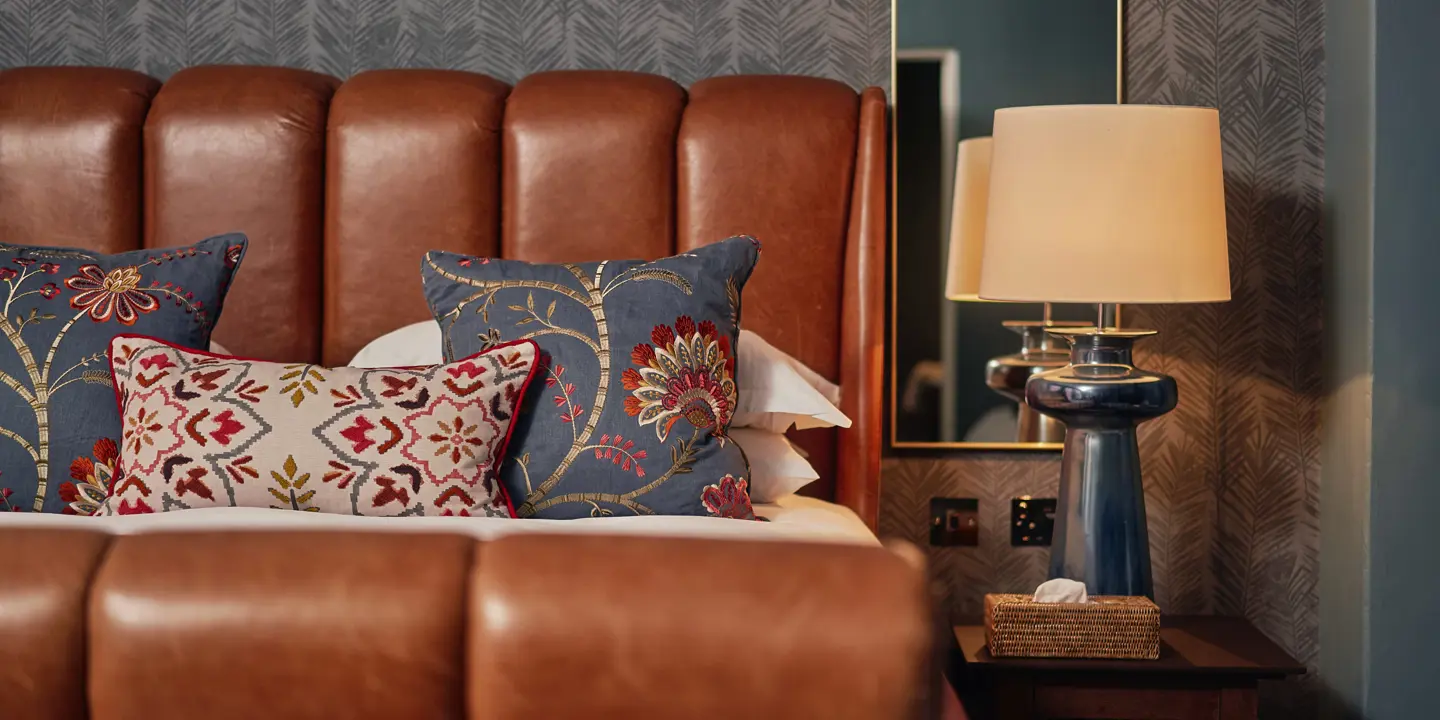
(1104, 204)
(1039, 350)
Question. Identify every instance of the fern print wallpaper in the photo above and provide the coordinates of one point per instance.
(1232, 476)
(848, 40)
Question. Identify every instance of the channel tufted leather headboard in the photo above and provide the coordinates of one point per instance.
(342, 187)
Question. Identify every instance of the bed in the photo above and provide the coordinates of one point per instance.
(341, 187)
(795, 517)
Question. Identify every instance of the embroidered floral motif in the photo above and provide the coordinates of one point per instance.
(136, 507)
(729, 498)
(622, 452)
(113, 293)
(300, 382)
(564, 396)
(414, 441)
(579, 454)
(151, 429)
(448, 438)
(55, 353)
(456, 438)
(288, 484)
(687, 374)
(92, 479)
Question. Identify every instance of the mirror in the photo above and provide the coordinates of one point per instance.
(958, 368)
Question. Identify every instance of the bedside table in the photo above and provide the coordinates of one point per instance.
(1208, 668)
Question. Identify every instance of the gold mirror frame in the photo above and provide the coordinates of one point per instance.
(894, 253)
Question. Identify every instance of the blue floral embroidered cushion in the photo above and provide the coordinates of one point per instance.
(58, 419)
(639, 367)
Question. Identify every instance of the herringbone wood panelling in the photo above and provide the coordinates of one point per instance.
(1232, 476)
(848, 40)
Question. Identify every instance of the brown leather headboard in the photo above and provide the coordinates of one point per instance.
(342, 187)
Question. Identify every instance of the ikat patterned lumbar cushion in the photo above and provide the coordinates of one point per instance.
(639, 369)
(58, 425)
(205, 430)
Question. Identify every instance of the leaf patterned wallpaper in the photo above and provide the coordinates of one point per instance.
(848, 40)
(1232, 476)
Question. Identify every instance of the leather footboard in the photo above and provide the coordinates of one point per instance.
(348, 625)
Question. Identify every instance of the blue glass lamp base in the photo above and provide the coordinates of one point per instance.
(1100, 535)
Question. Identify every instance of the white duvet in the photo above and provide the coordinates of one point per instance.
(791, 518)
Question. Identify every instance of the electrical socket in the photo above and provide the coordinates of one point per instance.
(1032, 520)
(954, 521)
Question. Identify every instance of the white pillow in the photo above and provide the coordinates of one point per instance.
(776, 390)
(412, 345)
(752, 344)
(219, 349)
(776, 468)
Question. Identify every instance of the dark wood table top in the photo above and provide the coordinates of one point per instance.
(1189, 644)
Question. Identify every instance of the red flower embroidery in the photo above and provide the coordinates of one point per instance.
(688, 373)
(358, 434)
(24, 262)
(566, 398)
(225, 427)
(468, 369)
(158, 361)
(622, 452)
(8, 273)
(110, 294)
(92, 479)
(49, 268)
(729, 498)
(140, 507)
(49, 291)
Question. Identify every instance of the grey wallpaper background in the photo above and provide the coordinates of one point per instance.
(848, 40)
(1232, 476)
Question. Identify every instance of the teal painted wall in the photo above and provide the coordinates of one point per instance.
(1405, 489)
(1017, 52)
(1380, 572)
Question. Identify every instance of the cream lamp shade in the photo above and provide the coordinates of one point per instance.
(967, 219)
(1106, 204)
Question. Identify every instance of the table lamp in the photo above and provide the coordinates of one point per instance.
(1039, 350)
(1104, 204)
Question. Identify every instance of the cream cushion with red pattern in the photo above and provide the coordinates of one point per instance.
(206, 430)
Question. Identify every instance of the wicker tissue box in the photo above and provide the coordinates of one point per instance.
(1109, 626)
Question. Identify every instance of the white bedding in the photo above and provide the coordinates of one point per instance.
(791, 518)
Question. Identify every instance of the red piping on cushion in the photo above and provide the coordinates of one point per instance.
(504, 448)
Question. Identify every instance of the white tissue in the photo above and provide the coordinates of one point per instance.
(1061, 590)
